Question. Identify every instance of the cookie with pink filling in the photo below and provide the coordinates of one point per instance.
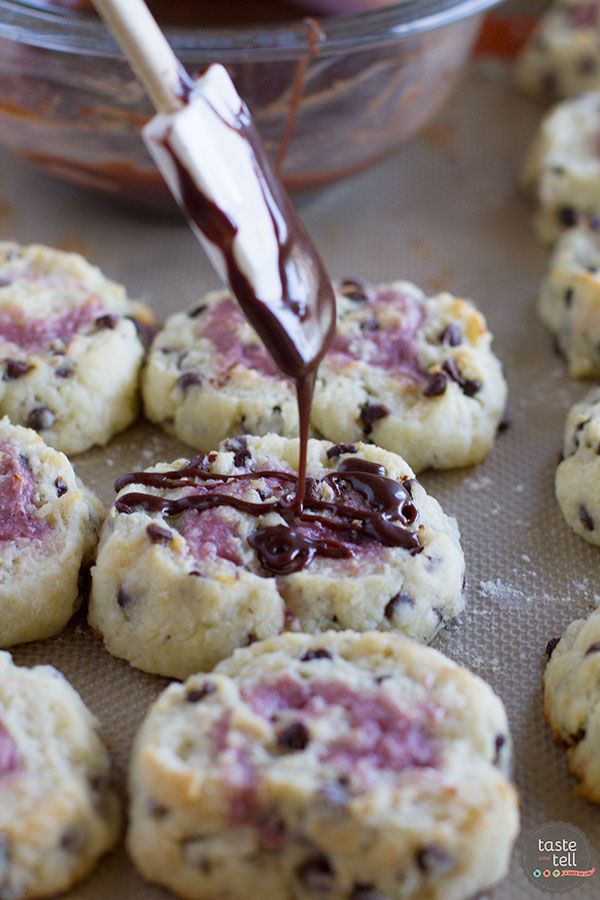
(58, 811)
(413, 374)
(71, 347)
(48, 531)
(346, 766)
(198, 558)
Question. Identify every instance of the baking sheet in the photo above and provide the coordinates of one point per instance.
(445, 214)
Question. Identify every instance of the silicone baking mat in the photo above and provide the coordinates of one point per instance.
(445, 214)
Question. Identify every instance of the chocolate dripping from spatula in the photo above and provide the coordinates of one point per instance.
(298, 327)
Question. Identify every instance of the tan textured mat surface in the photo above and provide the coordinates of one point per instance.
(445, 214)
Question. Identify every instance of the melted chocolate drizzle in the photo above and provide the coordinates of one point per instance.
(387, 510)
(298, 326)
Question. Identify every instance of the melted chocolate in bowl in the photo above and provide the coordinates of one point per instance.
(234, 12)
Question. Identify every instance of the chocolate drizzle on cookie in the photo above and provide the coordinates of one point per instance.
(384, 511)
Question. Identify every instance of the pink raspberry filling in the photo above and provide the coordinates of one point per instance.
(210, 537)
(382, 735)
(17, 490)
(9, 755)
(392, 349)
(37, 335)
(585, 15)
(222, 323)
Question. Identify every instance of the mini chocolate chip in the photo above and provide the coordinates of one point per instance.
(371, 413)
(123, 598)
(315, 873)
(294, 736)
(569, 296)
(432, 859)
(587, 65)
(335, 794)
(194, 851)
(585, 518)
(593, 648)
(451, 369)
(505, 422)
(145, 332)
(195, 695)
(197, 311)
(436, 385)
(73, 840)
(551, 646)
(567, 216)
(397, 599)
(549, 82)
(593, 270)
(310, 655)
(354, 290)
(250, 639)
(107, 321)
(157, 810)
(364, 891)
(239, 447)
(64, 372)
(158, 534)
(370, 325)
(16, 368)
(469, 387)
(338, 449)
(188, 380)
(40, 418)
(451, 335)
(498, 745)
(579, 737)
(61, 486)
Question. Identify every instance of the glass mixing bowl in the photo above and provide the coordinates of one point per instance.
(327, 104)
